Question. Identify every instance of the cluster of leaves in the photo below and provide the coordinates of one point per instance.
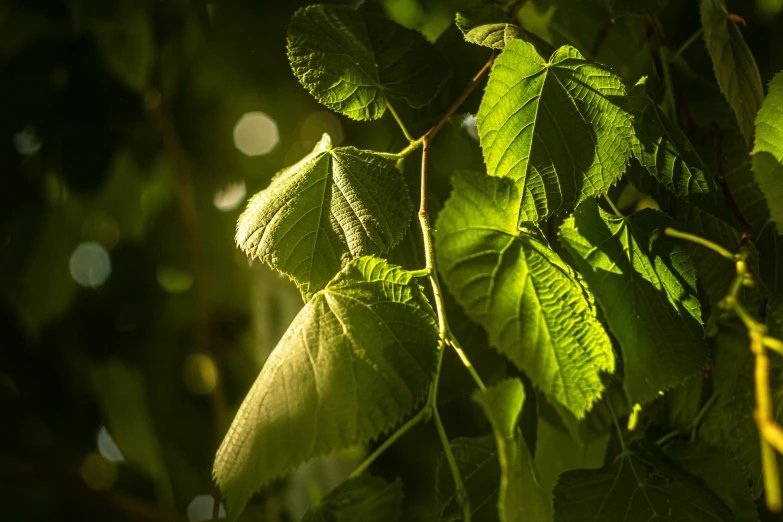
(600, 310)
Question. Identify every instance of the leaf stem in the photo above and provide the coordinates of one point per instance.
(671, 232)
(690, 41)
(693, 425)
(402, 430)
(399, 122)
(614, 207)
(617, 425)
(466, 362)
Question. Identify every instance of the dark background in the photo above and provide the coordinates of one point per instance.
(130, 325)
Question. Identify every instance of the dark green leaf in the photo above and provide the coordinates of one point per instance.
(479, 467)
(520, 497)
(334, 205)
(555, 127)
(359, 499)
(357, 359)
(645, 284)
(768, 151)
(533, 305)
(620, 8)
(128, 48)
(640, 485)
(356, 62)
(736, 70)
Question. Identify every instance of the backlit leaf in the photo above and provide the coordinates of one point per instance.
(736, 70)
(768, 151)
(334, 205)
(555, 126)
(520, 496)
(356, 62)
(359, 499)
(357, 359)
(487, 25)
(532, 304)
(645, 283)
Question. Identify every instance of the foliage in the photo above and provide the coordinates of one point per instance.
(521, 263)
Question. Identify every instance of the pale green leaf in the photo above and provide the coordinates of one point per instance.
(532, 304)
(357, 63)
(334, 205)
(720, 473)
(359, 499)
(729, 422)
(620, 8)
(735, 69)
(557, 128)
(520, 496)
(640, 485)
(487, 25)
(357, 359)
(645, 283)
(479, 467)
(768, 151)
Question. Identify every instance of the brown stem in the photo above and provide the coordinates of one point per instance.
(717, 137)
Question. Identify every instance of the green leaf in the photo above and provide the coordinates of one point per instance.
(645, 283)
(334, 205)
(356, 62)
(620, 8)
(720, 473)
(355, 361)
(358, 499)
(127, 44)
(729, 422)
(532, 304)
(487, 25)
(555, 127)
(479, 467)
(663, 149)
(520, 497)
(735, 69)
(768, 151)
(640, 485)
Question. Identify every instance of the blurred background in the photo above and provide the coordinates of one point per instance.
(132, 133)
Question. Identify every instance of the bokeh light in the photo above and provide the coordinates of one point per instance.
(469, 124)
(255, 134)
(314, 126)
(230, 197)
(26, 142)
(98, 473)
(200, 509)
(174, 280)
(199, 374)
(90, 264)
(107, 447)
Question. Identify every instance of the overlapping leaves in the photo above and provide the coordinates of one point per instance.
(356, 62)
(335, 204)
(645, 283)
(556, 126)
(532, 304)
(358, 357)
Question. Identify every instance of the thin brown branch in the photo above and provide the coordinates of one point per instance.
(717, 137)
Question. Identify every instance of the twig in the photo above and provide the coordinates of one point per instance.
(747, 231)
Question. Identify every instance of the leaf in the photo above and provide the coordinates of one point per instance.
(128, 48)
(768, 151)
(720, 473)
(735, 69)
(477, 461)
(642, 484)
(359, 498)
(520, 497)
(487, 25)
(356, 360)
(620, 8)
(532, 304)
(334, 205)
(663, 149)
(556, 128)
(729, 422)
(645, 283)
(356, 62)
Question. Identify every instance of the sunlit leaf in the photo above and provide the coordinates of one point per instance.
(358, 499)
(487, 25)
(334, 205)
(640, 485)
(736, 70)
(533, 305)
(358, 358)
(555, 126)
(356, 62)
(645, 283)
(520, 496)
(768, 151)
